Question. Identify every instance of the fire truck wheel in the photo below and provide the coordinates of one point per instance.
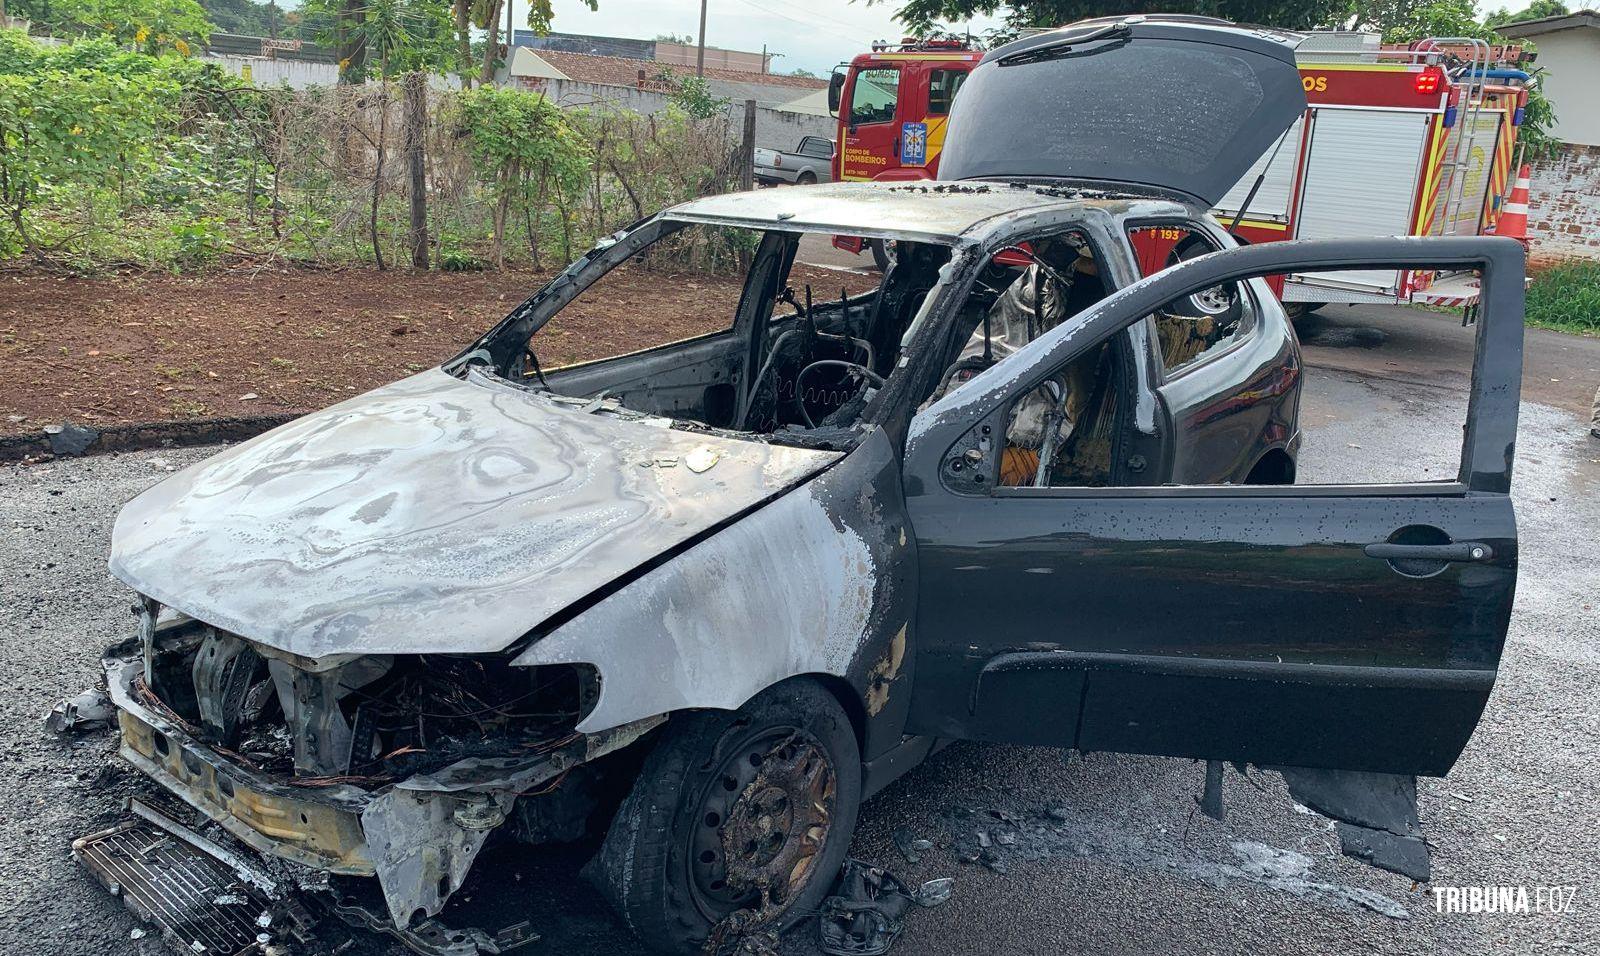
(1299, 310)
(882, 255)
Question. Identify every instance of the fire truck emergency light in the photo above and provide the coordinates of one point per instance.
(1427, 82)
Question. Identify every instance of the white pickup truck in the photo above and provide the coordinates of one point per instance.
(811, 162)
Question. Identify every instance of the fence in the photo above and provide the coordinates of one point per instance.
(775, 128)
(322, 174)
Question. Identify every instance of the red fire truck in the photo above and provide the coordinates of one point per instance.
(1415, 140)
(892, 106)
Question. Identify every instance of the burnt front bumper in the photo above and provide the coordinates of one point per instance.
(417, 836)
(317, 827)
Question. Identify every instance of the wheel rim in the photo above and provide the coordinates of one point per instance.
(762, 822)
(1212, 301)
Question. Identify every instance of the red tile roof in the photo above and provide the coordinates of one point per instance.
(622, 71)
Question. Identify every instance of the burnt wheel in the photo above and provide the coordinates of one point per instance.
(738, 820)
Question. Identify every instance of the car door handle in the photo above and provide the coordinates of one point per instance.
(1457, 551)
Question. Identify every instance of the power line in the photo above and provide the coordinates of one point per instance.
(809, 23)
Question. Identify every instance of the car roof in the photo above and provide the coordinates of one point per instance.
(922, 210)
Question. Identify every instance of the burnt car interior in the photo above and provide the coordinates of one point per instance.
(798, 356)
(799, 360)
(1063, 429)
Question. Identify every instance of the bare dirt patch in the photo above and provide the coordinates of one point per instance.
(149, 348)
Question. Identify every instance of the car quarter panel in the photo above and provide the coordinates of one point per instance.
(1227, 412)
(819, 582)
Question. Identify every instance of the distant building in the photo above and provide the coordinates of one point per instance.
(529, 67)
(1564, 198)
(789, 107)
(267, 62)
(233, 44)
(661, 51)
(1569, 52)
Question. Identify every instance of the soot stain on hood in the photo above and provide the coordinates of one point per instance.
(431, 515)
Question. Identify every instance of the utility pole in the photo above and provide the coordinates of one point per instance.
(700, 56)
(747, 148)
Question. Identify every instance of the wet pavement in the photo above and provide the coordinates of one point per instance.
(1101, 853)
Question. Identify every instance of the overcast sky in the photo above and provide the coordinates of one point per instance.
(814, 34)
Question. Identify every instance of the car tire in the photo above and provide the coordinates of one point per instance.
(881, 255)
(807, 178)
(714, 784)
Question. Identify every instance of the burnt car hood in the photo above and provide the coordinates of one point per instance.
(432, 515)
(1179, 105)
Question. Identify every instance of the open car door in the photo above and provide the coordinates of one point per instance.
(1347, 627)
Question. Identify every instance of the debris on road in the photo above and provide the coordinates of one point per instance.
(69, 439)
(90, 710)
(866, 913)
(910, 847)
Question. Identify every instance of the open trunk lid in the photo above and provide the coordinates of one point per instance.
(1178, 104)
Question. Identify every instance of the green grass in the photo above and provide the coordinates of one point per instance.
(1566, 298)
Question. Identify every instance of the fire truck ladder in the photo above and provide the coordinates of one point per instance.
(1470, 104)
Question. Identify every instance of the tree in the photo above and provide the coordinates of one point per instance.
(1537, 10)
(540, 13)
(411, 34)
(527, 150)
(1403, 21)
(923, 16)
(152, 26)
(246, 17)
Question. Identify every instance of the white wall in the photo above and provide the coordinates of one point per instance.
(775, 129)
(266, 71)
(1571, 59)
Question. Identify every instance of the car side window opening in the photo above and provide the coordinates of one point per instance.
(942, 87)
(1060, 432)
(874, 95)
(1238, 403)
(1197, 327)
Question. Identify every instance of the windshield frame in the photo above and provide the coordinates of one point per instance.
(503, 343)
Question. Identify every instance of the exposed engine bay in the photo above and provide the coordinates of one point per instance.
(383, 775)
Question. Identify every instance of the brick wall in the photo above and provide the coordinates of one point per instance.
(1564, 206)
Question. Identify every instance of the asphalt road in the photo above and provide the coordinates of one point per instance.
(1110, 855)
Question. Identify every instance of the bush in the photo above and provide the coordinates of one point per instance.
(110, 157)
(1566, 297)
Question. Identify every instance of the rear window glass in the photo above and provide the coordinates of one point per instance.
(1158, 112)
(873, 98)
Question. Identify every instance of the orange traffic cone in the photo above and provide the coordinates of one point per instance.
(1513, 219)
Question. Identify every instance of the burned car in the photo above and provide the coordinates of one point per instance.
(698, 600)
